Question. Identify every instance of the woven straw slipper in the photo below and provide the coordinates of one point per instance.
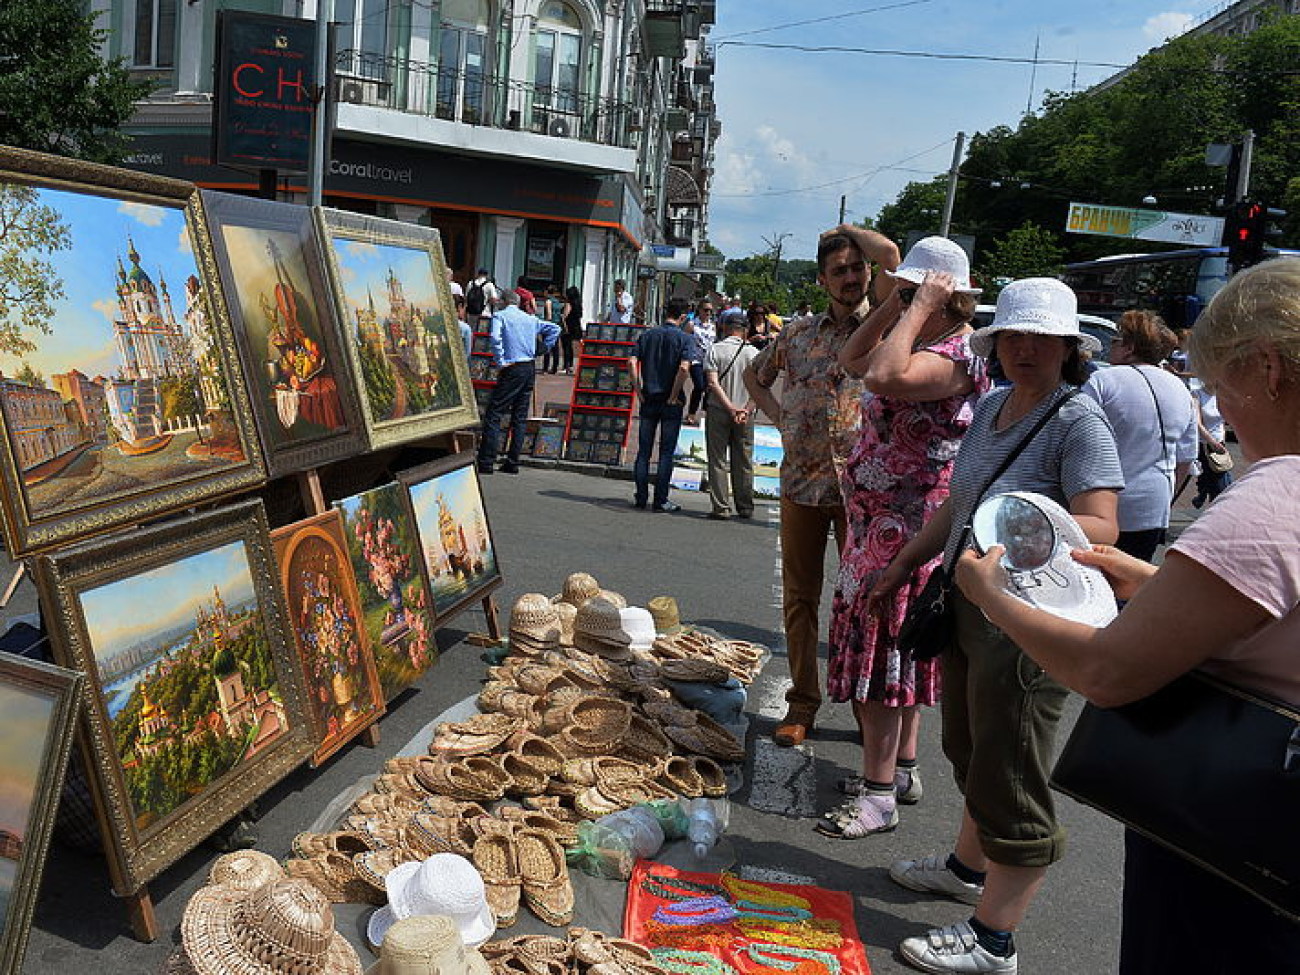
(381, 832)
(680, 775)
(644, 742)
(438, 834)
(495, 858)
(349, 843)
(489, 699)
(694, 671)
(536, 750)
(547, 888)
(591, 803)
(400, 785)
(373, 867)
(335, 877)
(526, 779)
(711, 774)
(477, 777)
(564, 831)
(669, 714)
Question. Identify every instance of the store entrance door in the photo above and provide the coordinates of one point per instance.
(459, 241)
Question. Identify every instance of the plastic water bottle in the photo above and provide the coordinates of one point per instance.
(703, 827)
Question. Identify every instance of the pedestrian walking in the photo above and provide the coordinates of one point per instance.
(818, 417)
(729, 421)
(481, 297)
(620, 309)
(514, 336)
(572, 333)
(913, 354)
(660, 364)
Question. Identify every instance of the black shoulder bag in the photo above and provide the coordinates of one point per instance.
(926, 630)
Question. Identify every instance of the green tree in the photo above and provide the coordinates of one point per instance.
(917, 208)
(29, 376)
(29, 287)
(56, 93)
(1029, 251)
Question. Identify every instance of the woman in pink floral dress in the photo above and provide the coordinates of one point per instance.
(922, 383)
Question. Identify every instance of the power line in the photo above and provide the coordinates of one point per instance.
(931, 55)
(823, 20)
(844, 179)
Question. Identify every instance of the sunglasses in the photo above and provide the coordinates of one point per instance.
(905, 295)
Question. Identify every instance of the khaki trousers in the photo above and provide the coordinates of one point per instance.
(729, 447)
(804, 530)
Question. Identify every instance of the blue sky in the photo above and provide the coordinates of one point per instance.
(793, 120)
(365, 266)
(82, 336)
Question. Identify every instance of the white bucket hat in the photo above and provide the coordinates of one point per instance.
(427, 946)
(445, 884)
(638, 626)
(936, 254)
(1040, 306)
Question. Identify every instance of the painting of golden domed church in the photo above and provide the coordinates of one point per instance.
(116, 383)
(197, 699)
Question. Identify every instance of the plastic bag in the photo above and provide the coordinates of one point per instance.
(672, 817)
(601, 852)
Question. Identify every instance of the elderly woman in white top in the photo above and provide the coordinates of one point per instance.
(1226, 600)
(1154, 420)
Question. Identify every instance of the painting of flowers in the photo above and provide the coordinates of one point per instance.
(395, 604)
(455, 539)
(320, 593)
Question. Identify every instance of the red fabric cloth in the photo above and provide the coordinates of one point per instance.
(825, 905)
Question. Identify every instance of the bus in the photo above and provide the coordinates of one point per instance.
(1174, 284)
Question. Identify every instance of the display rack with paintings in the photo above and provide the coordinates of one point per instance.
(482, 371)
(600, 412)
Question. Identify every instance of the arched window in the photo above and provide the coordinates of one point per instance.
(462, 61)
(557, 62)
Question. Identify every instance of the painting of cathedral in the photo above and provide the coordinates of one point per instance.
(455, 539)
(389, 283)
(281, 310)
(196, 695)
(116, 380)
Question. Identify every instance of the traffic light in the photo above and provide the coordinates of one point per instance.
(1246, 230)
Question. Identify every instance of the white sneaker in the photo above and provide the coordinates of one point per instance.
(953, 949)
(931, 875)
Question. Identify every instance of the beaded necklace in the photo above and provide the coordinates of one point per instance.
(697, 910)
(815, 933)
(691, 962)
(711, 937)
(770, 955)
(761, 893)
(750, 910)
(676, 888)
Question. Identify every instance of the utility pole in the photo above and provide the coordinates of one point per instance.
(1242, 189)
(843, 203)
(320, 119)
(946, 220)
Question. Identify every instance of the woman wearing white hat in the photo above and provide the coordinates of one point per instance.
(913, 352)
(1062, 446)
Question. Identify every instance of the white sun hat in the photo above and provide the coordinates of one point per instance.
(936, 254)
(445, 884)
(1040, 306)
(638, 626)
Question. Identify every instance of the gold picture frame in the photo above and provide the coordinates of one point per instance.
(193, 700)
(38, 704)
(324, 611)
(121, 399)
(394, 308)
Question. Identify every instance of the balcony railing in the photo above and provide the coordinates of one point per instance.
(475, 98)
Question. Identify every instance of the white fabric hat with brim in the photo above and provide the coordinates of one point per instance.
(936, 254)
(427, 945)
(638, 626)
(1039, 306)
(445, 884)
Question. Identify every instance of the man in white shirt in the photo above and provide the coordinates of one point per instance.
(620, 311)
(481, 299)
(729, 420)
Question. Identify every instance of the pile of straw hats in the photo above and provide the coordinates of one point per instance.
(598, 629)
(534, 624)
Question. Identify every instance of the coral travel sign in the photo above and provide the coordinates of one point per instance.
(1171, 228)
(265, 80)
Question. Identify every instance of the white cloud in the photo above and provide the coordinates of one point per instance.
(150, 216)
(183, 243)
(359, 248)
(737, 174)
(106, 307)
(1165, 25)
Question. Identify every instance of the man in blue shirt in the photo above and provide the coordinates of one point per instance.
(660, 364)
(514, 344)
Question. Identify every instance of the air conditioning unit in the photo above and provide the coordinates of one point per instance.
(559, 127)
(363, 91)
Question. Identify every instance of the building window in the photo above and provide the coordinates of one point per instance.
(462, 61)
(361, 34)
(155, 34)
(557, 62)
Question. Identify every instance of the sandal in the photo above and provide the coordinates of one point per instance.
(496, 859)
(546, 885)
(874, 814)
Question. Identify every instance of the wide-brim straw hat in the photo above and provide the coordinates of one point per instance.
(245, 870)
(427, 945)
(665, 613)
(444, 884)
(936, 254)
(599, 620)
(1038, 306)
(534, 616)
(578, 588)
(285, 927)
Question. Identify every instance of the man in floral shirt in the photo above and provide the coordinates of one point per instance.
(818, 415)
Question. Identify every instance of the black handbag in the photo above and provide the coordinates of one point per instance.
(1204, 768)
(928, 624)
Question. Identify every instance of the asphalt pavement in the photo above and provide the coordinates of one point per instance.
(548, 522)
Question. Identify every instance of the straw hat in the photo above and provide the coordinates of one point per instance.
(534, 617)
(664, 611)
(285, 927)
(1039, 306)
(446, 884)
(428, 945)
(598, 619)
(936, 254)
(244, 870)
(638, 626)
(578, 588)
(617, 598)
